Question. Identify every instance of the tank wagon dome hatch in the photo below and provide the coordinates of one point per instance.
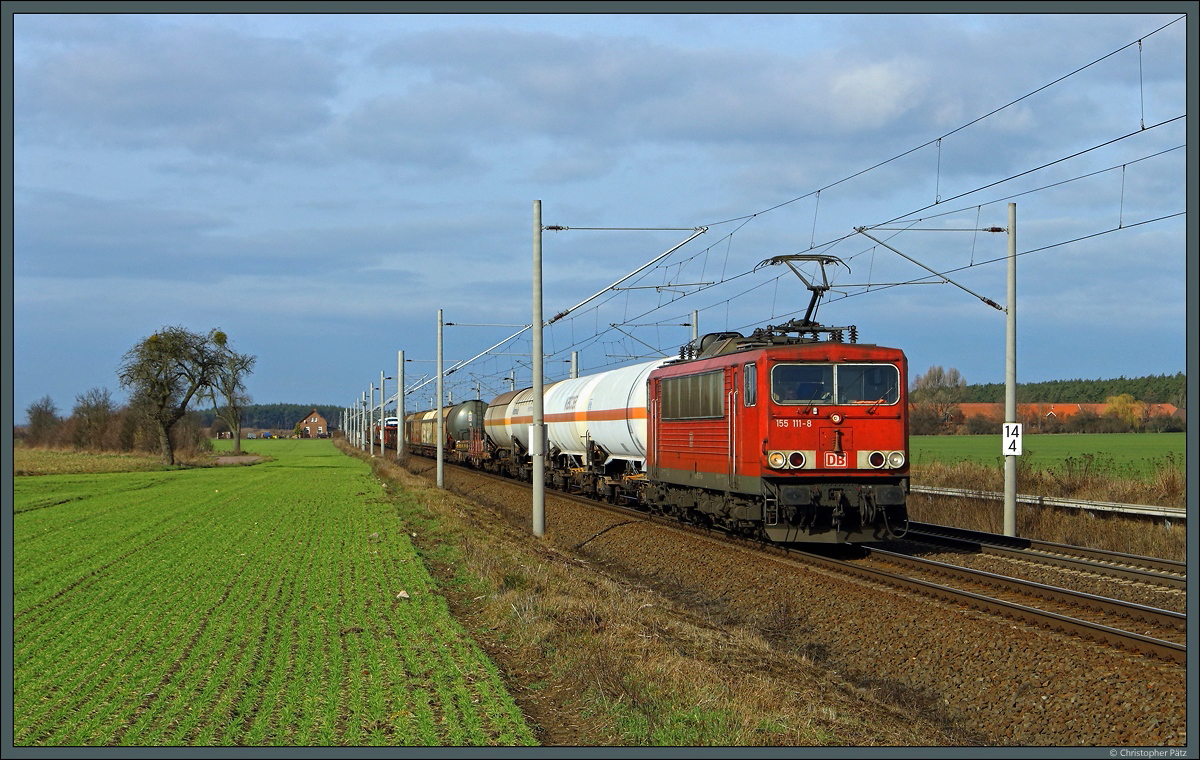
(796, 331)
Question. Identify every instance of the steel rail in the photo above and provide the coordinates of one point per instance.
(1131, 610)
(1128, 640)
(1121, 558)
(1153, 570)
(1175, 513)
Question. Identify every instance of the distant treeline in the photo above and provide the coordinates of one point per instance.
(278, 416)
(1152, 389)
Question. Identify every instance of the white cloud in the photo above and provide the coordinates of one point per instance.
(871, 96)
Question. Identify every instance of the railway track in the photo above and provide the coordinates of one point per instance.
(1099, 619)
(1129, 567)
(1092, 616)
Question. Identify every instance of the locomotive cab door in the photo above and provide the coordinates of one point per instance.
(731, 399)
(744, 426)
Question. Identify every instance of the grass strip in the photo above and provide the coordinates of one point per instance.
(247, 606)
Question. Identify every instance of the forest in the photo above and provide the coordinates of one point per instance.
(1151, 389)
(277, 416)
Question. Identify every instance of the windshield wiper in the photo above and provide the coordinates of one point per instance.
(879, 400)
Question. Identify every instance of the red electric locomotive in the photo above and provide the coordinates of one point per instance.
(782, 434)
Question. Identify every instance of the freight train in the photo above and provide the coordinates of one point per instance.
(792, 434)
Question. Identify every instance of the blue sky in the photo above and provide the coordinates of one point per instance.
(317, 186)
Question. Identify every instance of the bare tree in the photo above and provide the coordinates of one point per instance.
(230, 387)
(93, 413)
(165, 372)
(937, 393)
(43, 421)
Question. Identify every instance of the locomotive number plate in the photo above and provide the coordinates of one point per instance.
(794, 423)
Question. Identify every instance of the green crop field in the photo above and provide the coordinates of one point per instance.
(1132, 455)
(236, 606)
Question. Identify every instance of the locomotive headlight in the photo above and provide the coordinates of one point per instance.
(776, 460)
(896, 459)
(877, 459)
(796, 459)
(835, 418)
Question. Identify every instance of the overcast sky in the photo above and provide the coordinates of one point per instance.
(318, 186)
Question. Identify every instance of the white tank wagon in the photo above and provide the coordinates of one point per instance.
(495, 429)
(605, 411)
(518, 416)
(508, 417)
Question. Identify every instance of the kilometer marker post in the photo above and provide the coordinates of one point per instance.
(1010, 380)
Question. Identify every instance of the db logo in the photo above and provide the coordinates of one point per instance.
(834, 459)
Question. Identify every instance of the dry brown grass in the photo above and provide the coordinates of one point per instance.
(29, 460)
(1076, 478)
(64, 460)
(1133, 535)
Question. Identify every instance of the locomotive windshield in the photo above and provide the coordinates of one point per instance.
(802, 383)
(807, 384)
(868, 383)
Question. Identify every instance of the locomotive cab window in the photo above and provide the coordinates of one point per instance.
(868, 384)
(749, 384)
(802, 384)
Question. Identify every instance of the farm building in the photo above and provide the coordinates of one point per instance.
(313, 425)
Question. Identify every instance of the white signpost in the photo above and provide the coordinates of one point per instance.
(1012, 439)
